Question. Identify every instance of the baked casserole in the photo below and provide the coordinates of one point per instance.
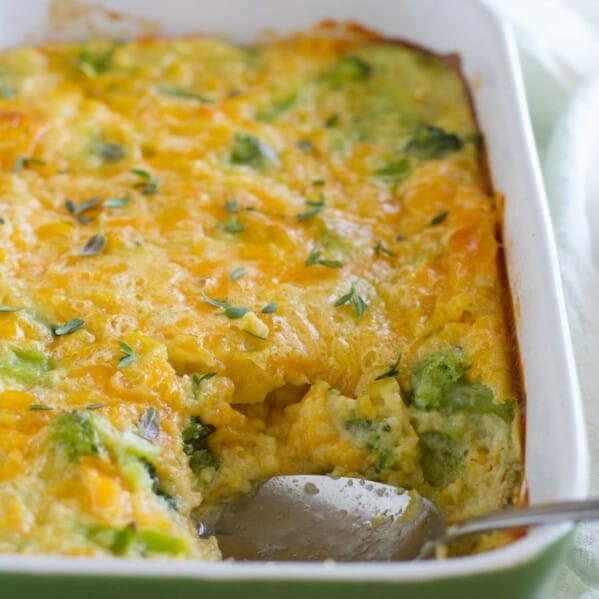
(223, 263)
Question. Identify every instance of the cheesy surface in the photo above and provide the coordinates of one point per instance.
(221, 263)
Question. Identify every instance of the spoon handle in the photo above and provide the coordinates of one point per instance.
(549, 513)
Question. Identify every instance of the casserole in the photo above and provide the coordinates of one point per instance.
(526, 235)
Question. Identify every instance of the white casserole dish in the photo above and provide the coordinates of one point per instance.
(556, 455)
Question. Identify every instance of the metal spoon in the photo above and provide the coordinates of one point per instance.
(314, 518)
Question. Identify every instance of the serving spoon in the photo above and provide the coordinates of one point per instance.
(315, 518)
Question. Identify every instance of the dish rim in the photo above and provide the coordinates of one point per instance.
(517, 553)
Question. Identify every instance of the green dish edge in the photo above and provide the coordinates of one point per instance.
(528, 580)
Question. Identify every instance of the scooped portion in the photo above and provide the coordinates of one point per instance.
(222, 263)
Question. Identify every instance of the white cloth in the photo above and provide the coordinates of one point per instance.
(559, 48)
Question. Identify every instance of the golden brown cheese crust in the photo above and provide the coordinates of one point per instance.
(285, 219)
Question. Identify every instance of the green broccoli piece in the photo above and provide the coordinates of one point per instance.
(441, 382)
(26, 366)
(433, 142)
(195, 445)
(348, 69)
(131, 540)
(478, 399)
(73, 433)
(435, 375)
(440, 456)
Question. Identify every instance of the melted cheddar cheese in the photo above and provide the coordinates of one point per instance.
(221, 263)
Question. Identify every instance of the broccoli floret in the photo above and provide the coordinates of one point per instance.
(433, 142)
(435, 375)
(440, 456)
(26, 366)
(441, 382)
(73, 433)
(348, 69)
(195, 445)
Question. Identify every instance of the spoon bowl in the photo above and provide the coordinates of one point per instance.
(317, 518)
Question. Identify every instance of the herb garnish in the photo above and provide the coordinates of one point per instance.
(196, 381)
(270, 308)
(380, 249)
(234, 312)
(252, 151)
(148, 185)
(232, 205)
(356, 300)
(184, 94)
(149, 424)
(38, 407)
(129, 355)
(70, 326)
(116, 202)
(215, 302)
(237, 273)
(316, 206)
(393, 369)
(315, 258)
(25, 162)
(94, 406)
(4, 308)
(109, 152)
(77, 209)
(95, 244)
(437, 220)
(232, 225)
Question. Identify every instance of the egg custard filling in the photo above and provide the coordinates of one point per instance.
(222, 263)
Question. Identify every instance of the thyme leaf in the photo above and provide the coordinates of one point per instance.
(217, 303)
(147, 184)
(380, 249)
(95, 244)
(129, 355)
(316, 206)
(393, 369)
(4, 308)
(237, 273)
(184, 94)
(116, 202)
(38, 407)
(270, 308)
(149, 424)
(109, 152)
(196, 381)
(70, 326)
(234, 312)
(77, 209)
(315, 258)
(25, 162)
(437, 220)
(356, 300)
